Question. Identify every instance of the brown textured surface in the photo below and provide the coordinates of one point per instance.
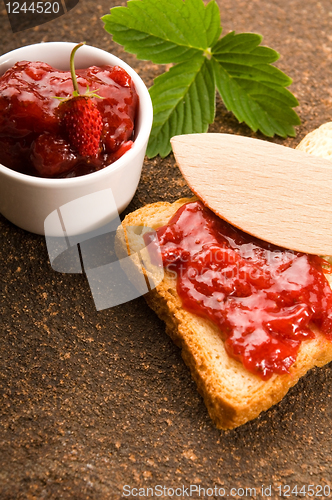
(91, 401)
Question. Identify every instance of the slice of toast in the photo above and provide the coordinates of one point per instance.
(231, 393)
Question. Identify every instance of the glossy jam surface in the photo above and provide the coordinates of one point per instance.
(262, 297)
(31, 138)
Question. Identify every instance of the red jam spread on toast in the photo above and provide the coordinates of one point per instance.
(262, 297)
(31, 137)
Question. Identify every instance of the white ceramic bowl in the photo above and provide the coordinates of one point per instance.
(27, 201)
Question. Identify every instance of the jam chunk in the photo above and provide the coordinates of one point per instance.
(31, 138)
(263, 298)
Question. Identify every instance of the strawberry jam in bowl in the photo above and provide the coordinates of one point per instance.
(60, 142)
(37, 131)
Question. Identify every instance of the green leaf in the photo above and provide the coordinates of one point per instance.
(242, 43)
(183, 103)
(187, 33)
(164, 31)
(251, 88)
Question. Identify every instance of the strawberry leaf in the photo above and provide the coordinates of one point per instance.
(164, 31)
(183, 102)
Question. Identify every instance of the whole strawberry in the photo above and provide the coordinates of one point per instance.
(83, 124)
(80, 118)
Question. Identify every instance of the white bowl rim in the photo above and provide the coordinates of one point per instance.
(139, 142)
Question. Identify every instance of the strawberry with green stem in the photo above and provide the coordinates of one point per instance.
(80, 118)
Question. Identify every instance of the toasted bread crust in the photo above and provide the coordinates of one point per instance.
(318, 142)
(232, 395)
